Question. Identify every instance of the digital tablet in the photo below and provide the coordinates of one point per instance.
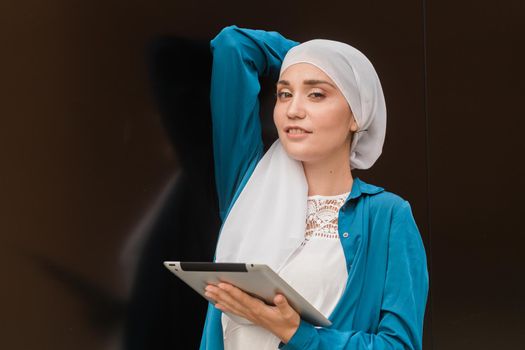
(258, 280)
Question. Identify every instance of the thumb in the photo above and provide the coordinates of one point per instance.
(281, 302)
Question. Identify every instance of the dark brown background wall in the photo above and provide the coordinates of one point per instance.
(84, 154)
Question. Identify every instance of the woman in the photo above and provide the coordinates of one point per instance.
(352, 249)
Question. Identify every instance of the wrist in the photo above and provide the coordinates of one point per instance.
(288, 333)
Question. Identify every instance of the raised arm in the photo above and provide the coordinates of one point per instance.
(403, 303)
(240, 56)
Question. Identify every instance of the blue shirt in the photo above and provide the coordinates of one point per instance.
(383, 304)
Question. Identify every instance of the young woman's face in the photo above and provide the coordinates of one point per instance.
(311, 115)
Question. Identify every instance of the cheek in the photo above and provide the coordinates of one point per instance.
(277, 117)
(335, 121)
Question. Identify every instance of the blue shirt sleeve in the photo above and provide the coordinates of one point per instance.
(240, 56)
(403, 304)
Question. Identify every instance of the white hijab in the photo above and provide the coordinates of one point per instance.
(267, 221)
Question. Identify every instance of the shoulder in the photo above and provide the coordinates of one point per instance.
(384, 205)
(381, 200)
(384, 208)
(387, 199)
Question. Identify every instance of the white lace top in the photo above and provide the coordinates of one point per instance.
(317, 270)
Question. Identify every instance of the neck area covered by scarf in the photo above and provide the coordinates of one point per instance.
(267, 222)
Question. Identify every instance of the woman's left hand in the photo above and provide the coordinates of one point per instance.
(282, 320)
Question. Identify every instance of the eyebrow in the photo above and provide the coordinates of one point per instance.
(307, 82)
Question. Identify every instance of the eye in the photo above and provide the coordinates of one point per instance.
(283, 94)
(316, 95)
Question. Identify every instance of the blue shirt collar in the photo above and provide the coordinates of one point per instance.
(359, 187)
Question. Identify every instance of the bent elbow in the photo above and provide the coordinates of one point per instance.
(228, 39)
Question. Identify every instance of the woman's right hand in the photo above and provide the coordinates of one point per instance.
(281, 320)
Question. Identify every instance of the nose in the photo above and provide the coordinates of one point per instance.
(295, 108)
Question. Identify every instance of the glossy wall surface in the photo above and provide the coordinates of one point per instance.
(102, 179)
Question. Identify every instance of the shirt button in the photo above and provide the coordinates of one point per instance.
(345, 234)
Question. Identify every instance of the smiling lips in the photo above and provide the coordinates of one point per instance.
(293, 129)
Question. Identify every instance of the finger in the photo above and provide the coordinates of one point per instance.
(212, 296)
(222, 307)
(242, 297)
(282, 304)
(225, 298)
(279, 299)
(245, 305)
(214, 293)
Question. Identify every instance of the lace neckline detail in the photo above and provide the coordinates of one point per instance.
(322, 216)
(336, 196)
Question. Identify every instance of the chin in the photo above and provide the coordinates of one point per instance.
(299, 153)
